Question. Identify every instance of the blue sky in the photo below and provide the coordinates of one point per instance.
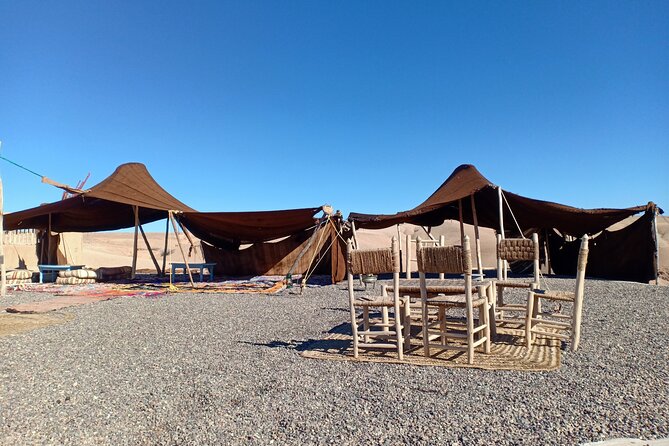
(368, 106)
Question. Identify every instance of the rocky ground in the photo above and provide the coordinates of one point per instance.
(226, 369)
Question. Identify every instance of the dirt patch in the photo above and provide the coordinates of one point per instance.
(18, 323)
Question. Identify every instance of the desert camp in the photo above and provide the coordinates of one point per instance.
(334, 223)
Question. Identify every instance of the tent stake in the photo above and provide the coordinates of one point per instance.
(135, 209)
(183, 254)
(477, 239)
(3, 270)
(153, 257)
(167, 234)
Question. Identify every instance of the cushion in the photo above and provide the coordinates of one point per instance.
(78, 273)
(19, 274)
(114, 273)
(73, 281)
(19, 281)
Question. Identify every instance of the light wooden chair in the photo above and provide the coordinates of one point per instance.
(378, 261)
(513, 249)
(437, 333)
(559, 324)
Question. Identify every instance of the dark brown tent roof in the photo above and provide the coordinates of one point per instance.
(106, 206)
(235, 228)
(467, 181)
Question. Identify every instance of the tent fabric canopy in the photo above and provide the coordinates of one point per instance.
(235, 228)
(467, 181)
(106, 206)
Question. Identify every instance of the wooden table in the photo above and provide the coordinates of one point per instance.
(55, 268)
(192, 266)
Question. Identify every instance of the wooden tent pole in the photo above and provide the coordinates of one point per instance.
(183, 253)
(356, 245)
(3, 271)
(153, 257)
(399, 240)
(48, 242)
(462, 224)
(428, 231)
(501, 226)
(657, 247)
(135, 209)
(477, 238)
(167, 234)
(442, 242)
(187, 234)
(306, 248)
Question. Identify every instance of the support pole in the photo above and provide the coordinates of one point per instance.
(356, 245)
(183, 253)
(3, 270)
(408, 256)
(153, 257)
(135, 209)
(167, 234)
(657, 247)
(48, 243)
(428, 231)
(187, 234)
(462, 224)
(477, 238)
(442, 242)
(501, 227)
(399, 240)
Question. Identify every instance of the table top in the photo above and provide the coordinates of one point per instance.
(60, 267)
(193, 264)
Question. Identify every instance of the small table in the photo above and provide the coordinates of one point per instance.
(192, 266)
(55, 268)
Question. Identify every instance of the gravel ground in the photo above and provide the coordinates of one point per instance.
(225, 369)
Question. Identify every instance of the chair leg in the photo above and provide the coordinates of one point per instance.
(426, 341)
(384, 318)
(528, 319)
(354, 331)
(406, 312)
(365, 321)
(442, 324)
(470, 335)
(483, 311)
(399, 332)
(491, 293)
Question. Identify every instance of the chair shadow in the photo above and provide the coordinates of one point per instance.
(312, 344)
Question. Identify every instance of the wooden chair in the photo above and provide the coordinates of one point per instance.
(378, 261)
(513, 249)
(453, 260)
(568, 323)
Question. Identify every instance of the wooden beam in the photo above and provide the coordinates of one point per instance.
(356, 245)
(183, 253)
(135, 209)
(153, 257)
(657, 247)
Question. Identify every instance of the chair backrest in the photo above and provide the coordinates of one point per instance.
(444, 259)
(512, 249)
(374, 261)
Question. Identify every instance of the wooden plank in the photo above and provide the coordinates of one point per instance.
(148, 246)
(183, 254)
(135, 209)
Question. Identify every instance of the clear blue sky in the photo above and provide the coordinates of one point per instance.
(368, 106)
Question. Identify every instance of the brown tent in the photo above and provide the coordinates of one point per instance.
(281, 242)
(466, 181)
(470, 197)
(108, 205)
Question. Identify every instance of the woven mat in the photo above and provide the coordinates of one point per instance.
(508, 352)
(18, 323)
